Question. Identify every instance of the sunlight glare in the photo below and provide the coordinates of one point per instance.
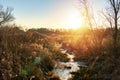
(74, 21)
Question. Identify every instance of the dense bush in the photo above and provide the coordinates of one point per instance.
(27, 53)
(33, 53)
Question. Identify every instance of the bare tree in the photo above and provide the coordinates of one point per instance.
(108, 18)
(115, 6)
(90, 19)
(6, 15)
(84, 4)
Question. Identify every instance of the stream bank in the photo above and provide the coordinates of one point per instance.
(64, 69)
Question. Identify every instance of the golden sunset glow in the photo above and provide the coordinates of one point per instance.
(59, 39)
(74, 21)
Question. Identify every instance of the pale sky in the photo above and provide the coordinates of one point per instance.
(47, 13)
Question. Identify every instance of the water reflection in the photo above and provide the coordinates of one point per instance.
(63, 69)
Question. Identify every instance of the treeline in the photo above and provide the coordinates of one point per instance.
(34, 53)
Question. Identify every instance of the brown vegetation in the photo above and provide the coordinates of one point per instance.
(27, 53)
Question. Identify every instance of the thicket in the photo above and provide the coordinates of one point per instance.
(97, 51)
(27, 54)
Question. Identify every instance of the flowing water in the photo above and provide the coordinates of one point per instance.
(63, 69)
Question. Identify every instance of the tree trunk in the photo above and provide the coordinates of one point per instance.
(115, 35)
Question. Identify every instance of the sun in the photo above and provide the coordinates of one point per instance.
(74, 21)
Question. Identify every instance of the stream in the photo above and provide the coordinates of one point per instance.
(63, 69)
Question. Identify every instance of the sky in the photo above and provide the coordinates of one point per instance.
(47, 13)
